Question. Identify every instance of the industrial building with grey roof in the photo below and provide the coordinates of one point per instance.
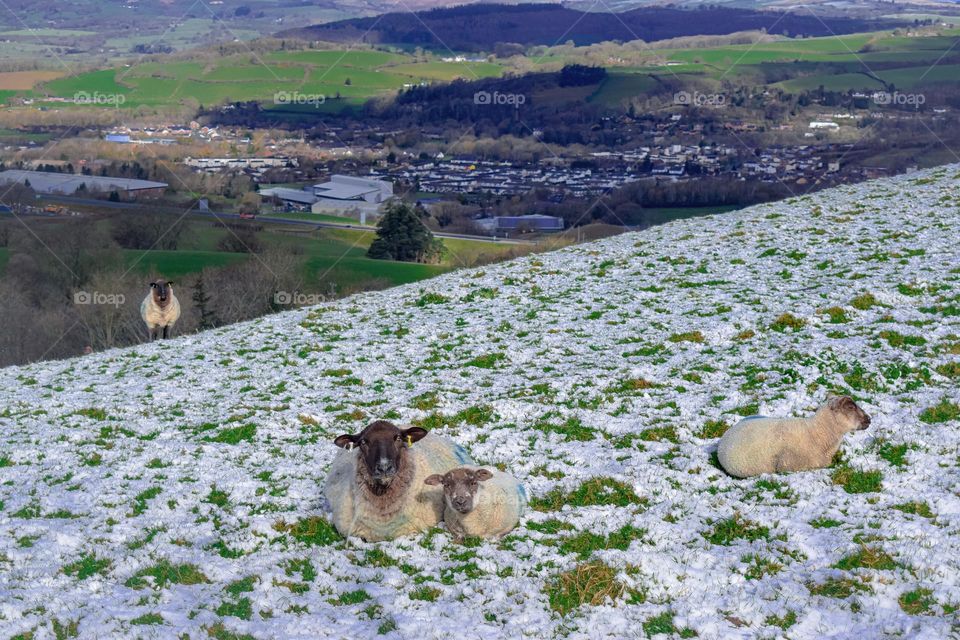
(69, 184)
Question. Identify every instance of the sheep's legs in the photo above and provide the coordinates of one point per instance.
(165, 334)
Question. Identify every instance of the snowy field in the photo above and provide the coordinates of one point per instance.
(174, 490)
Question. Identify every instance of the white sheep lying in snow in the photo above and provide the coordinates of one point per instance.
(777, 445)
(480, 502)
(376, 486)
(160, 309)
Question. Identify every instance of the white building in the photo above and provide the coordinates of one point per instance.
(350, 190)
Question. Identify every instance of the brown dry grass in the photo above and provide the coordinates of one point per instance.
(592, 583)
(24, 80)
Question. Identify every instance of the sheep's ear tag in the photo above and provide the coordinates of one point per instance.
(409, 441)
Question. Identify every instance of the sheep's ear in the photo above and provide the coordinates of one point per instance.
(345, 441)
(153, 285)
(483, 474)
(434, 479)
(840, 403)
(169, 283)
(413, 434)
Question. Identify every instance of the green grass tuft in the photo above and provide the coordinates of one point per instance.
(712, 429)
(164, 573)
(593, 492)
(313, 531)
(242, 609)
(917, 602)
(864, 301)
(787, 321)
(689, 336)
(915, 508)
(837, 588)
(736, 527)
(425, 593)
(86, 566)
(585, 543)
(946, 411)
(234, 435)
(857, 481)
(353, 597)
(148, 618)
(867, 558)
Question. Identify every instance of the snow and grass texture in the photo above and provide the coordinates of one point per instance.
(174, 489)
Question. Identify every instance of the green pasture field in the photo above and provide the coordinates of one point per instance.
(346, 77)
(354, 76)
(447, 71)
(669, 214)
(332, 255)
(310, 217)
(620, 87)
(174, 264)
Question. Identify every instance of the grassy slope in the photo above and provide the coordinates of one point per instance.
(355, 75)
(600, 375)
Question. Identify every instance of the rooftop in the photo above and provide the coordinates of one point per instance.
(68, 183)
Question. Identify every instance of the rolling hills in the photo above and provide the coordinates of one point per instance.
(174, 488)
(327, 81)
(479, 27)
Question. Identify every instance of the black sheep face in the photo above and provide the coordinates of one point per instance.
(382, 448)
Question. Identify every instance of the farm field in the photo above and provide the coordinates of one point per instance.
(352, 75)
(23, 80)
(601, 375)
(839, 63)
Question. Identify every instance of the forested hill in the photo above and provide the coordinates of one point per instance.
(479, 27)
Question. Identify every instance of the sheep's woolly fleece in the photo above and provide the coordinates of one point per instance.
(498, 504)
(175, 488)
(419, 508)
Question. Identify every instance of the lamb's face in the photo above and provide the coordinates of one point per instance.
(460, 487)
(161, 291)
(853, 416)
(382, 447)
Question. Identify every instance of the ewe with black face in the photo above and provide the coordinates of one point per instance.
(160, 310)
(376, 486)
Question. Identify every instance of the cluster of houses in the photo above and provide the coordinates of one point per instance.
(254, 166)
(609, 170)
(507, 178)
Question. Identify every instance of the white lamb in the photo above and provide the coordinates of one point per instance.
(759, 445)
(480, 502)
(160, 309)
(376, 486)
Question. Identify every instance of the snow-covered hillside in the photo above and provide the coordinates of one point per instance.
(174, 488)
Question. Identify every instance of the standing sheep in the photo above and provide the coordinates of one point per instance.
(779, 445)
(376, 485)
(480, 502)
(160, 309)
